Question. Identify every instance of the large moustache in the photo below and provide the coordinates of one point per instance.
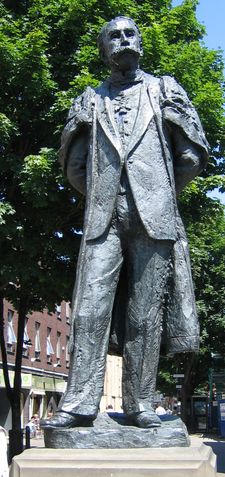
(120, 50)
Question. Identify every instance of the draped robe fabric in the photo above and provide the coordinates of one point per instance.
(167, 129)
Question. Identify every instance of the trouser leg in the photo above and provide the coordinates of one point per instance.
(94, 299)
(148, 267)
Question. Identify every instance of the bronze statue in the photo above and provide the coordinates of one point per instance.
(130, 145)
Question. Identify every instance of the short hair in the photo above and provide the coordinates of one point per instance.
(106, 27)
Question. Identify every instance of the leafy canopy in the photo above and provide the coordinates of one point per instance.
(48, 55)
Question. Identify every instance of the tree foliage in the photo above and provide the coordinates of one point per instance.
(48, 55)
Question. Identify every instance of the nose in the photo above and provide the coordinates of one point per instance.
(124, 39)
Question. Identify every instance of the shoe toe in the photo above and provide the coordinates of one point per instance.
(59, 420)
(147, 420)
(64, 420)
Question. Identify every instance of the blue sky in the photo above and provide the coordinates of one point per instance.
(212, 14)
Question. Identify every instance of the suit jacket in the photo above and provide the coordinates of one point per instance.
(157, 163)
(167, 149)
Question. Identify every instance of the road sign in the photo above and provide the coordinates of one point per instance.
(178, 386)
(178, 375)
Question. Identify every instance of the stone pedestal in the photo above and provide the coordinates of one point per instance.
(197, 461)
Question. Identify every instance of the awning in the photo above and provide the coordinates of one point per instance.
(37, 392)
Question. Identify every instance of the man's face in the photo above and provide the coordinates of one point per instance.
(122, 43)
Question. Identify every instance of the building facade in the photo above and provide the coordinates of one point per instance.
(45, 361)
(45, 364)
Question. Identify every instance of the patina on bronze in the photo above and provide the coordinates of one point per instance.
(131, 146)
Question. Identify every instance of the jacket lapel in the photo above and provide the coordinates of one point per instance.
(105, 115)
(153, 91)
(143, 117)
(106, 119)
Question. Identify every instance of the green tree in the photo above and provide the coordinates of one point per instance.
(48, 55)
(205, 223)
(38, 213)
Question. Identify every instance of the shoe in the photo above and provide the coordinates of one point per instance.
(66, 420)
(146, 419)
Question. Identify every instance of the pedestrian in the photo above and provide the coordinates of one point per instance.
(160, 411)
(32, 426)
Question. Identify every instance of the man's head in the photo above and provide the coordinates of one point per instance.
(120, 43)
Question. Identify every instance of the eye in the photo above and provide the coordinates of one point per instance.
(114, 35)
(129, 33)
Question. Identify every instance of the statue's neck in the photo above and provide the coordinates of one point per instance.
(130, 76)
(126, 68)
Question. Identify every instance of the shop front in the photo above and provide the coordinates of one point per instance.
(5, 410)
(39, 395)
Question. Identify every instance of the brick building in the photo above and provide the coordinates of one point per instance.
(45, 364)
(45, 360)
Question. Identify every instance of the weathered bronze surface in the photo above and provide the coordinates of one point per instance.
(131, 146)
(116, 433)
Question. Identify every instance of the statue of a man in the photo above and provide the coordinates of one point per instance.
(130, 145)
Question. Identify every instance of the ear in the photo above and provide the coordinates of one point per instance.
(103, 55)
(141, 48)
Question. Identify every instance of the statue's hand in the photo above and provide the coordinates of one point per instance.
(81, 111)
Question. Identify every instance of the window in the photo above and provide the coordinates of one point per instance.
(11, 337)
(37, 340)
(58, 311)
(68, 312)
(49, 348)
(26, 340)
(67, 351)
(58, 348)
